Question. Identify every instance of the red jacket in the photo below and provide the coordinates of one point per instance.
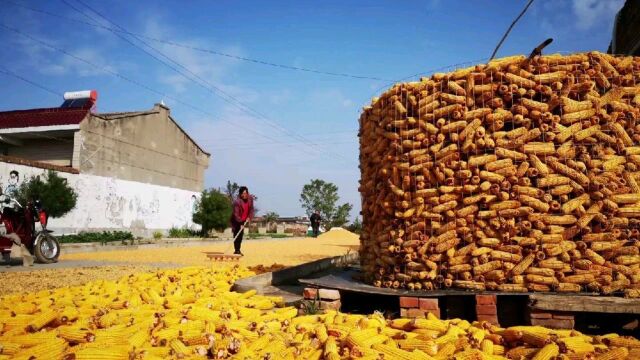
(236, 215)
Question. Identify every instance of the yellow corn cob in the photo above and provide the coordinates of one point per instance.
(8, 348)
(420, 355)
(430, 347)
(614, 354)
(24, 308)
(33, 339)
(499, 350)
(446, 350)
(393, 352)
(401, 324)
(42, 319)
(487, 346)
(106, 353)
(75, 334)
(521, 352)
(138, 339)
(622, 341)
(548, 352)
(535, 338)
(576, 344)
(470, 354)
(50, 349)
(429, 324)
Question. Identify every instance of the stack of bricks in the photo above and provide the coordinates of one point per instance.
(552, 319)
(328, 299)
(486, 308)
(414, 307)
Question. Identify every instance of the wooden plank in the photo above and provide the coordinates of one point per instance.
(344, 280)
(598, 304)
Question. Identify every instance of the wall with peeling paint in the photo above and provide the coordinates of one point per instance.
(112, 204)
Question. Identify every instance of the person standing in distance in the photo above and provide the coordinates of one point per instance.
(241, 216)
(315, 222)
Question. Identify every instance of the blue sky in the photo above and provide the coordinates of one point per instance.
(306, 124)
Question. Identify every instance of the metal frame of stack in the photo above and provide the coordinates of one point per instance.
(517, 175)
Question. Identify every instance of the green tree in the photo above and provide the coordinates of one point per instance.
(213, 211)
(270, 218)
(57, 197)
(231, 190)
(355, 226)
(323, 196)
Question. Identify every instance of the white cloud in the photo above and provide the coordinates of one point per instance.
(274, 172)
(66, 65)
(588, 12)
(209, 69)
(331, 98)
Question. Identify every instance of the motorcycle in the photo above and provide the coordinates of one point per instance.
(18, 226)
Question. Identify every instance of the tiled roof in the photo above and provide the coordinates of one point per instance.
(42, 117)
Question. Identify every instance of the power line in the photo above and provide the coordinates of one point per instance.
(8, 72)
(255, 145)
(212, 88)
(209, 51)
(137, 83)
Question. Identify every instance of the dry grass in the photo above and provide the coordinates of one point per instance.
(286, 252)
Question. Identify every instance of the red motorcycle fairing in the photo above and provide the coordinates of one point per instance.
(18, 221)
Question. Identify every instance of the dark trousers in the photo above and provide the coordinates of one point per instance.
(316, 230)
(238, 240)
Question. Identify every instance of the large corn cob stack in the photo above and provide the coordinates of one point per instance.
(518, 175)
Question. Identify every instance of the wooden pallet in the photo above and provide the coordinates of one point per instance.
(220, 256)
(554, 310)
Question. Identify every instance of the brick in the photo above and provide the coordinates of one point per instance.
(330, 305)
(540, 315)
(486, 310)
(409, 302)
(485, 299)
(554, 323)
(415, 313)
(493, 319)
(310, 293)
(329, 294)
(563, 316)
(429, 304)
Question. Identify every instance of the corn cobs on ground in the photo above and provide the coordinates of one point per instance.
(191, 313)
(518, 175)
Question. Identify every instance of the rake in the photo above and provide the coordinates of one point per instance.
(221, 255)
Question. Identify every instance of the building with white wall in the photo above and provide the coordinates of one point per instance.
(132, 170)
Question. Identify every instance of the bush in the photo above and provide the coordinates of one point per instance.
(213, 211)
(57, 197)
(101, 237)
(157, 235)
(183, 233)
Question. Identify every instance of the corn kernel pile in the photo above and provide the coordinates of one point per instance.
(191, 313)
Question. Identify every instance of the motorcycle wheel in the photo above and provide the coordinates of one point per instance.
(47, 249)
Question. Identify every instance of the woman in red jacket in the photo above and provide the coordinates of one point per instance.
(242, 214)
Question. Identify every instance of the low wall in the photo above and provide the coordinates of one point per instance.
(112, 204)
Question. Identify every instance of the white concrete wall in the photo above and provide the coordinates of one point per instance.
(113, 204)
